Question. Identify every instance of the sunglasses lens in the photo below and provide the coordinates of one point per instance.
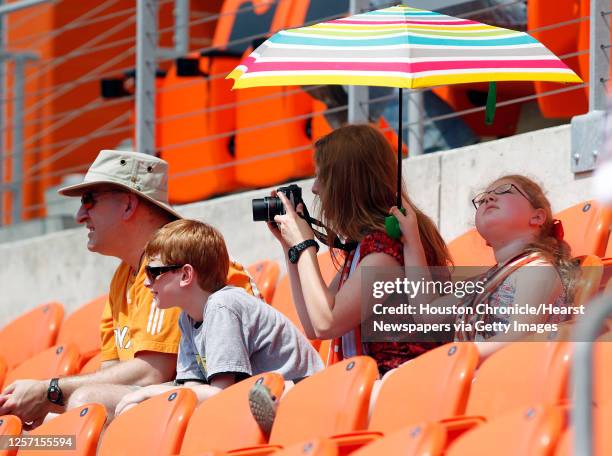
(87, 200)
(152, 273)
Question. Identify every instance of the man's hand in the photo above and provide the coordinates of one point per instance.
(141, 394)
(27, 399)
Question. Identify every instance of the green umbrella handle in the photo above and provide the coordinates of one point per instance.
(491, 103)
(392, 225)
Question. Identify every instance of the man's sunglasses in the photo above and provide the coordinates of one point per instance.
(153, 272)
(88, 199)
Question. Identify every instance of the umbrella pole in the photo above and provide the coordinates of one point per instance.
(400, 134)
(391, 223)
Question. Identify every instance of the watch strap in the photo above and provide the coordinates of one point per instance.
(297, 249)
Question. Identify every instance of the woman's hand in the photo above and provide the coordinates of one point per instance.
(274, 229)
(408, 223)
(293, 229)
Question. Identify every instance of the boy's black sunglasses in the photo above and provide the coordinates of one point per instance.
(153, 272)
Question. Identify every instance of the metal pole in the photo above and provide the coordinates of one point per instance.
(17, 187)
(400, 140)
(181, 27)
(586, 332)
(146, 63)
(599, 61)
(358, 96)
(415, 113)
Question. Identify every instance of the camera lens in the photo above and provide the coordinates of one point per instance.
(260, 210)
(265, 209)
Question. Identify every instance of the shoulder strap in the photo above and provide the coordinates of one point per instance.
(493, 280)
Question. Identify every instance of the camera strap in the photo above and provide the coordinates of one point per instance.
(347, 246)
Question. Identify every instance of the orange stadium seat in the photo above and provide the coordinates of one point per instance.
(10, 426)
(332, 401)
(516, 376)
(3, 370)
(281, 151)
(57, 361)
(30, 333)
(273, 143)
(154, 427)
(428, 388)
(265, 274)
(82, 328)
(197, 105)
(533, 431)
(82, 425)
(602, 362)
(425, 439)
(283, 301)
(319, 125)
(588, 284)
(316, 447)
(587, 228)
(470, 249)
(224, 421)
(240, 19)
(432, 386)
(328, 268)
(195, 123)
(560, 40)
(92, 365)
(462, 97)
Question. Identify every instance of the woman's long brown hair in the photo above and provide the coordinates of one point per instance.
(357, 174)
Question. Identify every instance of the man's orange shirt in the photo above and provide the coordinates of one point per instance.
(131, 321)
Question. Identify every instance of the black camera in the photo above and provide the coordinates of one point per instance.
(265, 209)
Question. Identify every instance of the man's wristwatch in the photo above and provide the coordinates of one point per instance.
(54, 392)
(295, 251)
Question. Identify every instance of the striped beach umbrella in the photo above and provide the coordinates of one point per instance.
(400, 47)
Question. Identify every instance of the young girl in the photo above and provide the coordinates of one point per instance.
(356, 179)
(515, 219)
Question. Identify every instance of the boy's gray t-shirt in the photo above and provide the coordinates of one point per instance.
(240, 333)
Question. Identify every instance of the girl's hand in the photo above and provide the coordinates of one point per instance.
(293, 228)
(408, 223)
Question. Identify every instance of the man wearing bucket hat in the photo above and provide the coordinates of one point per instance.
(124, 200)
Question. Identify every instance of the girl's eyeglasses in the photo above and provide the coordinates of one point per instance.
(480, 199)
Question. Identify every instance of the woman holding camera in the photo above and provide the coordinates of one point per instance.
(355, 182)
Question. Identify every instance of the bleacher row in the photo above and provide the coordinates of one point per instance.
(218, 140)
(515, 402)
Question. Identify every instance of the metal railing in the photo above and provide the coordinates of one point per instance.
(46, 124)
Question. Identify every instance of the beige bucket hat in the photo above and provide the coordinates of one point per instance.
(142, 174)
